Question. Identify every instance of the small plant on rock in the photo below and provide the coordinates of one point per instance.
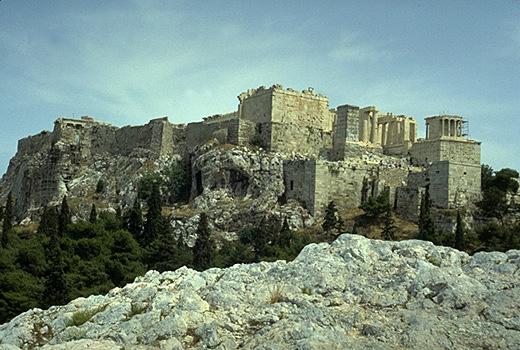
(307, 290)
(277, 293)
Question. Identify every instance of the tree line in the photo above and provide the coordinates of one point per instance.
(494, 209)
(62, 260)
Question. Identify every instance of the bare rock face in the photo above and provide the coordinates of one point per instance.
(240, 185)
(355, 293)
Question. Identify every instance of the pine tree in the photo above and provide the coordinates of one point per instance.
(8, 220)
(459, 233)
(93, 214)
(204, 248)
(389, 228)
(426, 224)
(152, 225)
(64, 218)
(332, 220)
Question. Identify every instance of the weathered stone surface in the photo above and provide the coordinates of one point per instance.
(353, 293)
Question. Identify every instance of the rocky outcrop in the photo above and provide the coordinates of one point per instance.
(354, 293)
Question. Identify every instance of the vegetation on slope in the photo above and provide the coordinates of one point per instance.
(60, 260)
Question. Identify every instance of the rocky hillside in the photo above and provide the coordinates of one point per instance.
(354, 293)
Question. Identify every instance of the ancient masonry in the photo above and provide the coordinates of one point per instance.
(350, 153)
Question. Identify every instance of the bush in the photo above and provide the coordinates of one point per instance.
(376, 206)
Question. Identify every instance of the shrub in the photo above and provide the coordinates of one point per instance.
(277, 293)
(82, 317)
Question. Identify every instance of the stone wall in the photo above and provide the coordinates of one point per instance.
(339, 182)
(346, 130)
(255, 105)
(460, 151)
(29, 145)
(300, 182)
(408, 202)
(463, 184)
(301, 139)
(305, 108)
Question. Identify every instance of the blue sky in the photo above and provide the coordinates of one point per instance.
(128, 62)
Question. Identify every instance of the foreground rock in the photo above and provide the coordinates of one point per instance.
(354, 293)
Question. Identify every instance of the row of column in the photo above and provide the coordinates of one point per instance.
(369, 127)
(394, 132)
(444, 127)
(451, 127)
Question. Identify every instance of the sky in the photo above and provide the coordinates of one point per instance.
(127, 62)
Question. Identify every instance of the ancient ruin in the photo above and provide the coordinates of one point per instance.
(345, 154)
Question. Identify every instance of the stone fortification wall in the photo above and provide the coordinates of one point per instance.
(299, 181)
(342, 183)
(294, 138)
(463, 184)
(408, 202)
(459, 151)
(256, 105)
(225, 131)
(305, 108)
(450, 184)
(159, 137)
(31, 144)
(346, 130)
(146, 136)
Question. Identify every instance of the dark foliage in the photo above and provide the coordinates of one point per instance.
(152, 225)
(8, 220)
(332, 221)
(459, 233)
(375, 207)
(204, 248)
(426, 223)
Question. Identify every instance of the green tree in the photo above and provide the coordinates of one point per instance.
(204, 248)
(152, 225)
(495, 237)
(426, 223)
(64, 218)
(147, 183)
(375, 207)
(459, 233)
(93, 214)
(134, 221)
(8, 220)
(389, 227)
(56, 290)
(486, 176)
(125, 259)
(100, 186)
(177, 183)
(168, 254)
(332, 220)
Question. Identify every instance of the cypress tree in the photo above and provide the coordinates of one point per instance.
(152, 225)
(8, 220)
(426, 224)
(93, 214)
(135, 221)
(204, 248)
(389, 228)
(332, 220)
(459, 233)
(64, 218)
(56, 289)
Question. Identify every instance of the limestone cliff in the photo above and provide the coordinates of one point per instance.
(355, 293)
